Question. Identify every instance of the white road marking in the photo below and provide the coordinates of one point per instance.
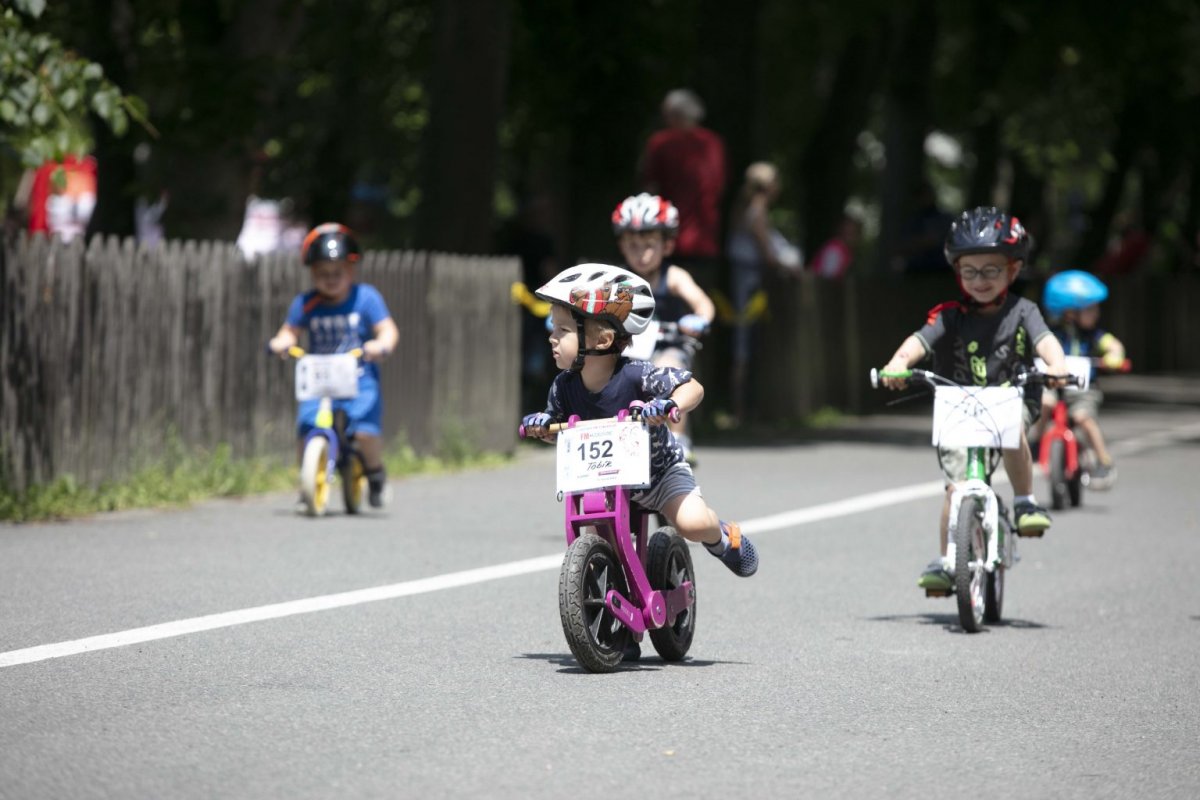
(787, 519)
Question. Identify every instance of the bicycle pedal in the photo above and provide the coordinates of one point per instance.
(938, 592)
(1032, 534)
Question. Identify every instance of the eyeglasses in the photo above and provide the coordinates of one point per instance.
(989, 273)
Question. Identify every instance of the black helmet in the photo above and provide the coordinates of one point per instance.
(330, 242)
(987, 230)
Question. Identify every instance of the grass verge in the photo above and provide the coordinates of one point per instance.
(182, 479)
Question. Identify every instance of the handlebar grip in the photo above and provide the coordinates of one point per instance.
(874, 378)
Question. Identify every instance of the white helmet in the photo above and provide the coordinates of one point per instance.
(600, 291)
(645, 212)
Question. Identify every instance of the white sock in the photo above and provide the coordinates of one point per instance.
(719, 548)
(1024, 498)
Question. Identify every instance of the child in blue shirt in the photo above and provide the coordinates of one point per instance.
(341, 315)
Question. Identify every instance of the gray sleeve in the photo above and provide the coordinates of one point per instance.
(932, 331)
(1035, 323)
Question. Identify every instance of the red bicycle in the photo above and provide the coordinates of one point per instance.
(1065, 455)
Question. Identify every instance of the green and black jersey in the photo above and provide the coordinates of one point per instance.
(983, 349)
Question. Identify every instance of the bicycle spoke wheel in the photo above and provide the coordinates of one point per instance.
(314, 476)
(669, 566)
(354, 482)
(589, 572)
(969, 574)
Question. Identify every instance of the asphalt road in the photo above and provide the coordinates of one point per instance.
(827, 674)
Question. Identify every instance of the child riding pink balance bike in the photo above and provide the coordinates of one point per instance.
(616, 583)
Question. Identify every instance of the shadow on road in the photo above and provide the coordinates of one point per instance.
(949, 622)
(571, 667)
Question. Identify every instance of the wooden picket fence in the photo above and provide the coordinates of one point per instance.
(110, 352)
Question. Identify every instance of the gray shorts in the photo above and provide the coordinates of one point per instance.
(1085, 402)
(954, 459)
(678, 480)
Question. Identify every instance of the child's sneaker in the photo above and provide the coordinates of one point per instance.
(1101, 477)
(1032, 519)
(376, 483)
(936, 577)
(738, 554)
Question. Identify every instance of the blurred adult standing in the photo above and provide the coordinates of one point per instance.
(685, 163)
(754, 247)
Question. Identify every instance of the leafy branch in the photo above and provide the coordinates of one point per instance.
(46, 91)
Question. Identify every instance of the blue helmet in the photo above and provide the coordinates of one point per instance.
(1072, 290)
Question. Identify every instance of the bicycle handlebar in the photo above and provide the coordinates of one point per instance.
(634, 407)
(933, 379)
(295, 351)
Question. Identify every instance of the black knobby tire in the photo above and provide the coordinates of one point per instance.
(668, 566)
(1075, 485)
(1058, 474)
(993, 590)
(589, 571)
(969, 546)
(354, 481)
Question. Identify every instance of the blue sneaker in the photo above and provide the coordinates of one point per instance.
(740, 556)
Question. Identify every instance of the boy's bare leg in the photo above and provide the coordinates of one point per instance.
(1018, 464)
(371, 447)
(1092, 429)
(944, 527)
(696, 522)
(693, 519)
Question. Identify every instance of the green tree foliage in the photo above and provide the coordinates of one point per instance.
(1071, 115)
(47, 91)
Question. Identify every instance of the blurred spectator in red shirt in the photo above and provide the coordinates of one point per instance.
(63, 207)
(685, 163)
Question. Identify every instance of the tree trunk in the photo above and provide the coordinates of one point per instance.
(827, 160)
(906, 120)
(1100, 217)
(461, 145)
(111, 46)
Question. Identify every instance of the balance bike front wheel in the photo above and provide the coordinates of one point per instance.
(669, 566)
(1058, 474)
(590, 570)
(970, 553)
(993, 590)
(314, 476)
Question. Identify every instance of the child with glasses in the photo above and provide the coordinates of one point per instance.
(984, 339)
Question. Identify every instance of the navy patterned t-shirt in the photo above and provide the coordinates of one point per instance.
(631, 380)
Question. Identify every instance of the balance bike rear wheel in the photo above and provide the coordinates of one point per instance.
(589, 572)
(1058, 474)
(969, 584)
(314, 476)
(354, 482)
(668, 566)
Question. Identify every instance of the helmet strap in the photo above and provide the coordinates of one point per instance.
(577, 364)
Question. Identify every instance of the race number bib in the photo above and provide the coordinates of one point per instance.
(598, 455)
(977, 416)
(333, 376)
(1079, 366)
(641, 348)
